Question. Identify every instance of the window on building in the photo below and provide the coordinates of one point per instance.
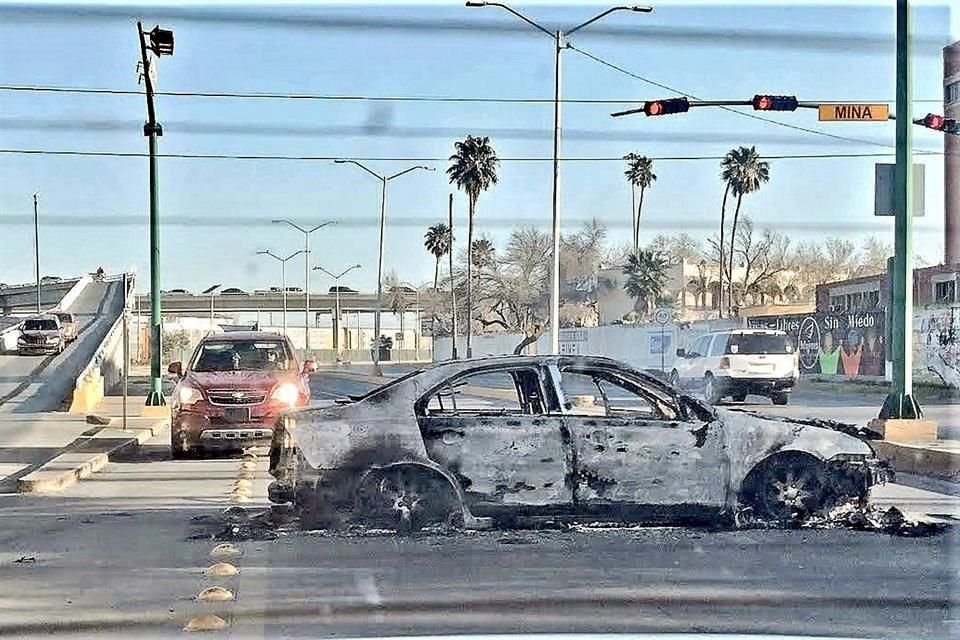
(951, 93)
(945, 291)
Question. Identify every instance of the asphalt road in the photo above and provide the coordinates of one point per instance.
(31, 384)
(121, 554)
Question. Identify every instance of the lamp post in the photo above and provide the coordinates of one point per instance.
(306, 276)
(161, 44)
(283, 280)
(416, 333)
(336, 284)
(559, 40)
(384, 179)
(212, 291)
(36, 245)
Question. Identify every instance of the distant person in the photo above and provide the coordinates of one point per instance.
(100, 273)
(828, 355)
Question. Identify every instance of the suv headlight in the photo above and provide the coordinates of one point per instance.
(53, 339)
(188, 395)
(287, 393)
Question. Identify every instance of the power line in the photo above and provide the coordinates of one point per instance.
(387, 130)
(731, 110)
(305, 158)
(361, 98)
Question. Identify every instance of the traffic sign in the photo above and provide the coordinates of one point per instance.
(662, 315)
(854, 112)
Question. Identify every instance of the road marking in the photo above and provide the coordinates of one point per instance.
(215, 594)
(221, 569)
(224, 550)
(207, 622)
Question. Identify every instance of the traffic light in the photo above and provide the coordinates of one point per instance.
(775, 103)
(939, 123)
(666, 107)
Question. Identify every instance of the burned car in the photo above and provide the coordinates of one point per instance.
(496, 440)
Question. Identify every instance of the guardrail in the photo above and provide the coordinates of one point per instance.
(93, 379)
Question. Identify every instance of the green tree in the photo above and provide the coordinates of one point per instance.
(473, 168)
(646, 272)
(639, 173)
(438, 241)
(749, 172)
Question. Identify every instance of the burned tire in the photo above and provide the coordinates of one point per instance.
(780, 398)
(788, 488)
(407, 498)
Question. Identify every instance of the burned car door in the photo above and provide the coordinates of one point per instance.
(492, 430)
(634, 448)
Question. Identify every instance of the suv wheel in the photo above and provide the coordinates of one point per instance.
(780, 398)
(711, 390)
(179, 445)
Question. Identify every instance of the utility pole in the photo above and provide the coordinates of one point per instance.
(900, 403)
(283, 281)
(559, 43)
(36, 246)
(161, 43)
(453, 286)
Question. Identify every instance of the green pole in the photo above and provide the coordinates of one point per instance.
(155, 397)
(900, 402)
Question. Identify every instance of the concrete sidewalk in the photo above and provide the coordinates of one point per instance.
(46, 452)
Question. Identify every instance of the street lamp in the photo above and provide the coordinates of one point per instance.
(161, 44)
(416, 333)
(283, 278)
(336, 284)
(306, 276)
(383, 214)
(559, 39)
(212, 291)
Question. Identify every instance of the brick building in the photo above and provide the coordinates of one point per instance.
(931, 285)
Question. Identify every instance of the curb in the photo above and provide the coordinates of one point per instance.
(921, 459)
(70, 467)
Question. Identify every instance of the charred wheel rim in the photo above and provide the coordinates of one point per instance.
(406, 499)
(789, 490)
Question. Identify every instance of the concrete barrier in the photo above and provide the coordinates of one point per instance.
(70, 296)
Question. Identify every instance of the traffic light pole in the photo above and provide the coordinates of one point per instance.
(900, 403)
(152, 130)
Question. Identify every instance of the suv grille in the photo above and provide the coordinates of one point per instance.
(235, 397)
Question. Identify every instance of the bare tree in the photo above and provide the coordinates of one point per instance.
(763, 258)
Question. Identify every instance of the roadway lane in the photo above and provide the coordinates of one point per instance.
(40, 383)
(123, 552)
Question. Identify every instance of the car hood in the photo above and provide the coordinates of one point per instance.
(260, 380)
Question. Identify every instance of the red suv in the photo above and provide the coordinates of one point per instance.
(233, 390)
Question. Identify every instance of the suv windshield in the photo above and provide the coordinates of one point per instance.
(758, 343)
(242, 355)
(65, 317)
(40, 325)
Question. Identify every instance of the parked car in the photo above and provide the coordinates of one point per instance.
(496, 439)
(176, 291)
(50, 279)
(294, 290)
(40, 335)
(233, 291)
(233, 390)
(737, 363)
(69, 327)
(343, 291)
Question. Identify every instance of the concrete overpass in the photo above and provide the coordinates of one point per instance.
(30, 384)
(23, 298)
(189, 303)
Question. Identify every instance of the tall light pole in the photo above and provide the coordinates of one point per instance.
(416, 333)
(336, 284)
(36, 245)
(384, 179)
(161, 44)
(559, 41)
(283, 279)
(212, 291)
(306, 275)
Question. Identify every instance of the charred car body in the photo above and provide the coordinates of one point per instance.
(233, 390)
(497, 439)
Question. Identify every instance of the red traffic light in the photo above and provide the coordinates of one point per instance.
(775, 103)
(934, 121)
(666, 107)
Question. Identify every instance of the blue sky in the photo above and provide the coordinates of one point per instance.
(805, 198)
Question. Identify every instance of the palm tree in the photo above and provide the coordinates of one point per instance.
(639, 174)
(473, 168)
(748, 173)
(646, 273)
(726, 174)
(437, 240)
(397, 300)
(481, 253)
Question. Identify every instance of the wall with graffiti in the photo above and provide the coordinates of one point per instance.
(936, 345)
(850, 345)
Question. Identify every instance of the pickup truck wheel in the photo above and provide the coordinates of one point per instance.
(781, 398)
(407, 499)
(179, 446)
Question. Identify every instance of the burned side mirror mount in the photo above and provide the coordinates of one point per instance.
(176, 369)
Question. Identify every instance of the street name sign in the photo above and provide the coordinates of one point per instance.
(854, 112)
